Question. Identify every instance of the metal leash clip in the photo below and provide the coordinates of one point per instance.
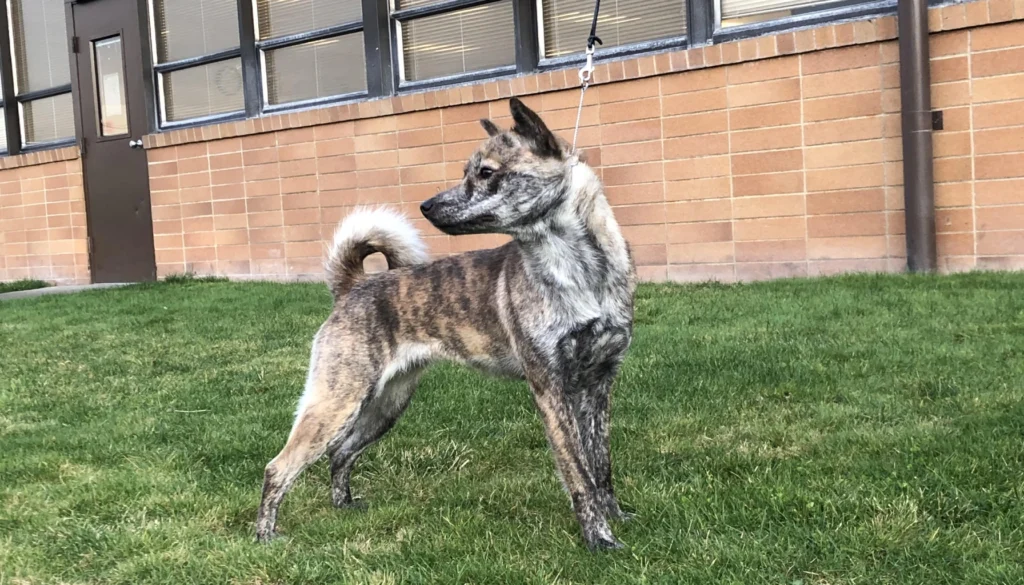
(587, 71)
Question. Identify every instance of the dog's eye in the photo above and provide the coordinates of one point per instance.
(485, 173)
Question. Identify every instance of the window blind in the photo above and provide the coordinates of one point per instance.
(278, 18)
(471, 39)
(40, 44)
(566, 23)
(317, 69)
(733, 9)
(192, 28)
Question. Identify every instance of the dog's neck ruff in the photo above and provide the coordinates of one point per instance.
(579, 245)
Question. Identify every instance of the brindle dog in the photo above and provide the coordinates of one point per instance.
(554, 307)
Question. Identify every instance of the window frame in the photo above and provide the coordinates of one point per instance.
(851, 10)
(158, 70)
(294, 39)
(381, 28)
(400, 16)
(679, 41)
(13, 102)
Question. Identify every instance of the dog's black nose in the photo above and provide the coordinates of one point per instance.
(426, 205)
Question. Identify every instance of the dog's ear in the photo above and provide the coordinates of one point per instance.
(529, 126)
(491, 128)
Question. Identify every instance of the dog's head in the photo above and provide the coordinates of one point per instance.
(512, 182)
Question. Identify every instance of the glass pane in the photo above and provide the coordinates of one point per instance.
(40, 44)
(567, 23)
(48, 119)
(109, 76)
(471, 39)
(737, 12)
(204, 90)
(190, 28)
(278, 18)
(317, 69)
(3, 134)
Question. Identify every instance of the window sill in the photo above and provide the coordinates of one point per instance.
(847, 32)
(53, 154)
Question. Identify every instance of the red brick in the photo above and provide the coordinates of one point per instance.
(1009, 217)
(764, 116)
(691, 146)
(766, 139)
(845, 201)
(631, 153)
(757, 71)
(840, 107)
(1002, 166)
(999, 192)
(696, 101)
(845, 178)
(856, 247)
(692, 168)
(635, 173)
(711, 188)
(998, 115)
(998, 37)
(840, 59)
(687, 233)
(779, 228)
(632, 110)
(771, 206)
(699, 210)
(767, 162)
(631, 132)
(764, 93)
(992, 89)
(711, 252)
(771, 251)
(842, 82)
(774, 184)
(693, 124)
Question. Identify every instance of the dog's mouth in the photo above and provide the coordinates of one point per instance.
(472, 226)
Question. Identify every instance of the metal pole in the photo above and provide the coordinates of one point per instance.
(915, 93)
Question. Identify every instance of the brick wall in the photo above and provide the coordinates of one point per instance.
(770, 157)
(42, 218)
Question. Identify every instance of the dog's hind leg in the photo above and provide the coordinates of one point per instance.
(373, 422)
(325, 417)
(573, 465)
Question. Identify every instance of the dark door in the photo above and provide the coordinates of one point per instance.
(107, 54)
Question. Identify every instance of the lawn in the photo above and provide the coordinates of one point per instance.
(18, 285)
(864, 429)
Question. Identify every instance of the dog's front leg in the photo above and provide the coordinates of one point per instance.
(564, 437)
(592, 407)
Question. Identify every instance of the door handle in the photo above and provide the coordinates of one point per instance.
(135, 143)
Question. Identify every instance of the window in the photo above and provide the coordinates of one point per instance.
(228, 59)
(42, 73)
(740, 12)
(565, 24)
(438, 40)
(311, 49)
(198, 59)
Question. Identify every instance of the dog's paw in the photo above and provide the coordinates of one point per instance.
(623, 516)
(358, 504)
(604, 543)
(266, 537)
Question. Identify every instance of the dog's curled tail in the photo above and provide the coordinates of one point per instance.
(369, 230)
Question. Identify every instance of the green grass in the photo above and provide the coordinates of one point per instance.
(862, 429)
(25, 284)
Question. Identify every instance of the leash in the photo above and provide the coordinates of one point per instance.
(587, 71)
